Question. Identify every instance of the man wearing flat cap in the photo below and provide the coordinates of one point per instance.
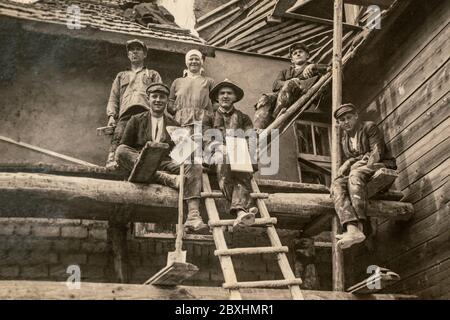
(151, 126)
(364, 151)
(288, 87)
(236, 186)
(128, 96)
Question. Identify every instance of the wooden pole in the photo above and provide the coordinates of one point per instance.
(46, 152)
(337, 254)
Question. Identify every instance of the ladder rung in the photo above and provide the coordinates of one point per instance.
(251, 250)
(219, 195)
(229, 222)
(262, 284)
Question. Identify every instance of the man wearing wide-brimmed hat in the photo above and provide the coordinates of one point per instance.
(236, 186)
(128, 94)
(364, 151)
(287, 87)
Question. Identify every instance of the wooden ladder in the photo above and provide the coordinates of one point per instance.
(225, 254)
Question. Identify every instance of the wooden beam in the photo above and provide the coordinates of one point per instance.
(216, 10)
(220, 18)
(271, 186)
(337, 254)
(266, 185)
(35, 290)
(118, 227)
(51, 196)
(249, 21)
(46, 152)
(316, 19)
(381, 180)
(381, 3)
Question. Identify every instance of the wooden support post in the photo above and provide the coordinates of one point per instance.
(337, 254)
(117, 233)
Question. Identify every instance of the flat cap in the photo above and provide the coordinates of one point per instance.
(138, 42)
(345, 108)
(158, 87)
(298, 45)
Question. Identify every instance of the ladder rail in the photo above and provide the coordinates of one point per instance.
(282, 259)
(225, 255)
(226, 262)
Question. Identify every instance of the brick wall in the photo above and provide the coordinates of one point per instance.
(42, 249)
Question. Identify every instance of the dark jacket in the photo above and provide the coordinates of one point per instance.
(288, 74)
(370, 143)
(139, 130)
(235, 119)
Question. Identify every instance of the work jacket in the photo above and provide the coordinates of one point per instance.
(129, 89)
(139, 130)
(288, 74)
(370, 143)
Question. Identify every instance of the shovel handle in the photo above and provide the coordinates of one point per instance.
(180, 229)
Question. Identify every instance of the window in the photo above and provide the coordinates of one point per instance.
(313, 140)
(314, 151)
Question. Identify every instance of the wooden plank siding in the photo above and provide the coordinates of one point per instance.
(410, 102)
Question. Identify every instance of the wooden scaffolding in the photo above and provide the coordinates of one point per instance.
(87, 192)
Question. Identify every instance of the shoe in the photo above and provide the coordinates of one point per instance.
(167, 179)
(244, 219)
(350, 238)
(194, 222)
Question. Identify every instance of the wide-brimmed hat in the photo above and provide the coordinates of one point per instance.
(158, 87)
(226, 83)
(345, 108)
(298, 45)
(138, 42)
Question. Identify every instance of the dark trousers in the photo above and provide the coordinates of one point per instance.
(264, 111)
(350, 193)
(236, 186)
(270, 105)
(127, 156)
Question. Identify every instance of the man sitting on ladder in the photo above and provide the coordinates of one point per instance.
(236, 186)
(128, 96)
(364, 149)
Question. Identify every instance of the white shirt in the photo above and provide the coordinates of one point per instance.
(157, 123)
(354, 142)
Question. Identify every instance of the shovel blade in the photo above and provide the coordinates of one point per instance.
(173, 274)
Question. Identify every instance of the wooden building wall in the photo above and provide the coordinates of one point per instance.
(406, 91)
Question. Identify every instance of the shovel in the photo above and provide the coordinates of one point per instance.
(177, 269)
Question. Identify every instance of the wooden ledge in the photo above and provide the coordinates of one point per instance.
(31, 290)
(53, 196)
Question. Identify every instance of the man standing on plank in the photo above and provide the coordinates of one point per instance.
(128, 96)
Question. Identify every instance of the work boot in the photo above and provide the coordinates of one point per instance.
(244, 218)
(194, 222)
(167, 179)
(352, 236)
